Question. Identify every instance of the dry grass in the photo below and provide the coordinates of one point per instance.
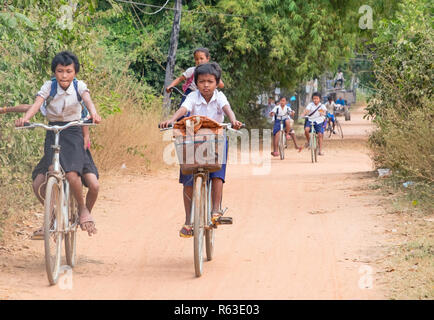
(130, 140)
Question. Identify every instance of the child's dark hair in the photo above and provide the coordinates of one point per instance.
(204, 50)
(212, 68)
(316, 94)
(282, 97)
(329, 98)
(65, 58)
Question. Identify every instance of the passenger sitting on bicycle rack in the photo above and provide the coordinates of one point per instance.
(206, 101)
(316, 112)
(201, 56)
(331, 105)
(282, 112)
(62, 108)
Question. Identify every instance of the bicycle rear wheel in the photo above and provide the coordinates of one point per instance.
(71, 236)
(282, 145)
(209, 232)
(198, 224)
(53, 228)
(339, 129)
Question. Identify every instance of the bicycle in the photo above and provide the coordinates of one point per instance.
(60, 208)
(338, 128)
(313, 143)
(282, 138)
(201, 216)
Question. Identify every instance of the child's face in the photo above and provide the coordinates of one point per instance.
(206, 83)
(315, 99)
(64, 75)
(200, 58)
(282, 102)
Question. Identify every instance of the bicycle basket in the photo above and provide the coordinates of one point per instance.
(200, 146)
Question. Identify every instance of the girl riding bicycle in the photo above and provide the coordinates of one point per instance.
(65, 107)
(206, 101)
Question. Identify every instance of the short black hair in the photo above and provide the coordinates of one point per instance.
(212, 68)
(65, 58)
(316, 94)
(329, 98)
(204, 50)
(282, 97)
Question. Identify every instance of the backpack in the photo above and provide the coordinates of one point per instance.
(53, 92)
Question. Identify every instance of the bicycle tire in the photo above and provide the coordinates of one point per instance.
(281, 146)
(312, 146)
(209, 232)
(316, 150)
(71, 236)
(340, 132)
(198, 225)
(330, 129)
(53, 224)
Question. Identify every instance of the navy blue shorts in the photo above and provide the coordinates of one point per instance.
(319, 127)
(276, 127)
(187, 179)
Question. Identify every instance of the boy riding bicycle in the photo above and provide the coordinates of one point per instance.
(65, 107)
(331, 105)
(316, 114)
(206, 101)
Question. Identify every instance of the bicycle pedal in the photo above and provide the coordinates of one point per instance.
(225, 220)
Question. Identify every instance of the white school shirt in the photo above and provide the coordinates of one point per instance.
(283, 114)
(187, 74)
(316, 117)
(65, 105)
(330, 107)
(196, 104)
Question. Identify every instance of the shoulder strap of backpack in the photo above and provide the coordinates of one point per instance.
(315, 110)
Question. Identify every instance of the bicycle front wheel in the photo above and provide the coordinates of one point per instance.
(282, 145)
(209, 232)
(312, 146)
(198, 224)
(71, 236)
(53, 228)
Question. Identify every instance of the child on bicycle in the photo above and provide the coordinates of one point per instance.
(331, 105)
(282, 112)
(65, 107)
(201, 56)
(206, 101)
(316, 112)
(90, 171)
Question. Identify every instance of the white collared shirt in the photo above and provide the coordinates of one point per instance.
(196, 104)
(316, 117)
(282, 114)
(65, 105)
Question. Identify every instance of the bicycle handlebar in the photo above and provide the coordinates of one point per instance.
(179, 91)
(31, 125)
(225, 125)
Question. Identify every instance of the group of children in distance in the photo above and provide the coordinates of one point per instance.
(59, 100)
(316, 114)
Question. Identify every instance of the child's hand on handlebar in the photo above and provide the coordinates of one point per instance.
(20, 122)
(165, 124)
(236, 124)
(169, 89)
(96, 118)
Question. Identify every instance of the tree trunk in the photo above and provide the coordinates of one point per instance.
(170, 66)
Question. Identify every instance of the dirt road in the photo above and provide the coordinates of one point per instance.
(304, 231)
